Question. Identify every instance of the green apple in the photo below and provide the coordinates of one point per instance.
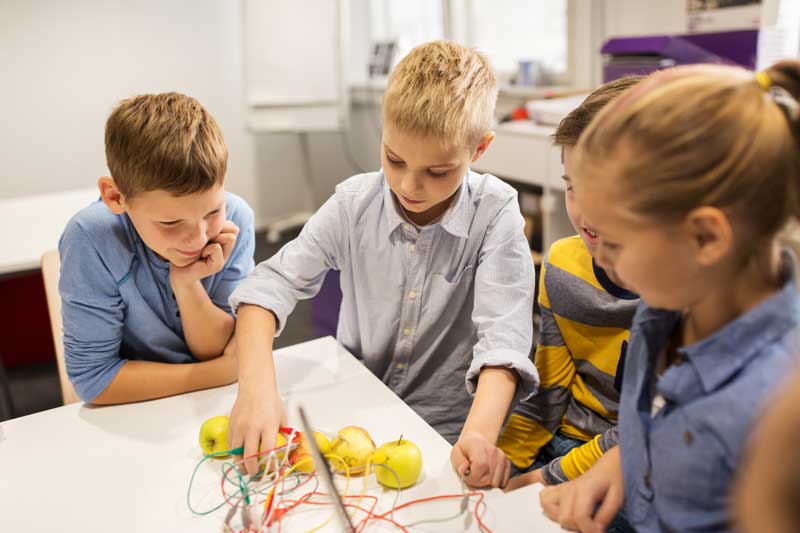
(402, 456)
(214, 436)
(354, 446)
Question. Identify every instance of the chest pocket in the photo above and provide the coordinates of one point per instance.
(449, 293)
(690, 467)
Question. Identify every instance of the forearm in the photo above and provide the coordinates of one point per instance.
(496, 387)
(206, 327)
(255, 330)
(146, 380)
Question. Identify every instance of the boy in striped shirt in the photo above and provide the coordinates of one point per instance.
(560, 432)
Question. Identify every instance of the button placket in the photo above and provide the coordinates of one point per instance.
(409, 318)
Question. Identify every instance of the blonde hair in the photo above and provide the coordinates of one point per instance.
(164, 141)
(702, 135)
(442, 90)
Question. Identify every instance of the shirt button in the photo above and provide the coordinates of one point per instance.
(400, 366)
(407, 331)
(688, 438)
(406, 227)
(412, 294)
(412, 248)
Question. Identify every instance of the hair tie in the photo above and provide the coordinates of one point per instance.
(763, 80)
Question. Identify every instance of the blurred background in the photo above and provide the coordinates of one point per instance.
(296, 88)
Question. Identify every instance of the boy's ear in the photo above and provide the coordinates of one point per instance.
(711, 232)
(483, 145)
(111, 196)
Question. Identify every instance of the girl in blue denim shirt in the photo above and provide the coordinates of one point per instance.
(689, 178)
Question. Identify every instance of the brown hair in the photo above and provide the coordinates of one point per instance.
(572, 125)
(164, 141)
(703, 135)
(442, 90)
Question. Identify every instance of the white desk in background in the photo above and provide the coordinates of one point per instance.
(127, 467)
(33, 224)
(523, 153)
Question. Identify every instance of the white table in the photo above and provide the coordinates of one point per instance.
(33, 224)
(127, 467)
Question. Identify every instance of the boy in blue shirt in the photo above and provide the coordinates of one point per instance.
(435, 271)
(147, 270)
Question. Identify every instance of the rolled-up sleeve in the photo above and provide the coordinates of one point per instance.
(92, 312)
(297, 271)
(504, 287)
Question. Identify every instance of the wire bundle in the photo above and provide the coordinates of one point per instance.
(264, 499)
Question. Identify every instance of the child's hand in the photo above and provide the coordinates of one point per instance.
(212, 258)
(522, 480)
(479, 462)
(254, 423)
(572, 504)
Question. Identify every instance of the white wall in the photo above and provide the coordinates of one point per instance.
(627, 18)
(65, 64)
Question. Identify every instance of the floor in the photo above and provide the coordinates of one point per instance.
(35, 387)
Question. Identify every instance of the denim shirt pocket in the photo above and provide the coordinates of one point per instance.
(693, 480)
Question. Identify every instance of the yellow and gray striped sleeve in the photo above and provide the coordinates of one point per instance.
(579, 459)
(534, 421)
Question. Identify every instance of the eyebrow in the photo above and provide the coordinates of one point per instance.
(173, 221)
(449, 164)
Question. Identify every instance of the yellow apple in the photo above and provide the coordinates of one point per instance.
(301, 456)
(402, 456)
(214, 436)
(354, 446)
(280, 441)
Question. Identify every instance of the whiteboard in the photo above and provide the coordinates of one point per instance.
(294, 65)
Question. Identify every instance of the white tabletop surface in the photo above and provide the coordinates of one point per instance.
(127, 467)
(33, 224)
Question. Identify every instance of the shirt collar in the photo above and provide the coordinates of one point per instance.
(717, 358)
(455, 220)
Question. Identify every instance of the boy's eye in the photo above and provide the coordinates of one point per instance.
(169, 222)
(212, 213)
(437, 174)
(395, 162)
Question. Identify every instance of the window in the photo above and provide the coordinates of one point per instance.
(408, 22)
(507, 31)
(510, 31)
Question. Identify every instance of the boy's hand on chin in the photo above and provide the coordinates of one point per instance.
(479, 462)
(212, 258)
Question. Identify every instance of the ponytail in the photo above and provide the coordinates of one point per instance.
(781, 82)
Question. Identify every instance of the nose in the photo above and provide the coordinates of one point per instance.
(196, 237)
(410, 183)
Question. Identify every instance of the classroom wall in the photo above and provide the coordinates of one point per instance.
(627, 18)
(66, 64)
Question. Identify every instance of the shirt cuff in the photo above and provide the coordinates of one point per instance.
(528, 375)
(242, 296)
(552, 472)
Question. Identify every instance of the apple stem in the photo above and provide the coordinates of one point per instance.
(398, 440)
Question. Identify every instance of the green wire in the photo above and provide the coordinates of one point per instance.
(243, 485)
